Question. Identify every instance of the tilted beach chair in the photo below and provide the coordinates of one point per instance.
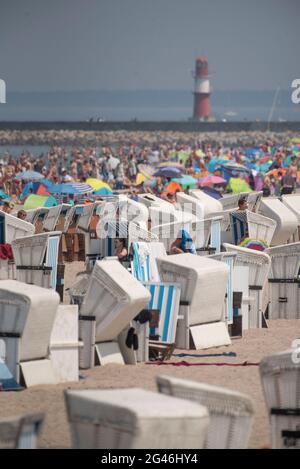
(36, 258)
(230, 412)
(280, 378)
(284, 281)
(114, 297)
(201, 303)
(259, 264)
(27, 315)
(134, 418)
(286, 220)
(246, 224)
(20, 432)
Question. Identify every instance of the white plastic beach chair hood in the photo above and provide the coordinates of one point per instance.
(115, 297)
(134, 418)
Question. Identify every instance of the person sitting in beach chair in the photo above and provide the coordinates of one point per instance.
(120, 249)
(183, 243)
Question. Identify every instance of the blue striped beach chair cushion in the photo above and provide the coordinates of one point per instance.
(239, 226)
(166, 298)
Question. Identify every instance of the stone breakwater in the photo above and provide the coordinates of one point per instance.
(16, 136)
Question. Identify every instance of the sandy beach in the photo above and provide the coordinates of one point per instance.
(254, 345)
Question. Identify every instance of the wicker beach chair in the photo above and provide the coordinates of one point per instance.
(27, 315)
(12, 228)
(280, 378)
(36, 258)
(286, 220)
(259, 264)
(230, 412)
(201, 303)
(246, 224)
(114, 297)
(284, 281)
(134, 418)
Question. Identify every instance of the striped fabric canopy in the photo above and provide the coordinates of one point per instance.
(75, 188)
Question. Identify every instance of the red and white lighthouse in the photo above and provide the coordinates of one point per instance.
(202, 110)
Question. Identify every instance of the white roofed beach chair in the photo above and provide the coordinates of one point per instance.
(280, 378)
(134, 418)
(230, 412)
(286, 220)
(36, 258)
(12, 228)
(284, 281)
(259, 264)
(114, 298)
(201, 303)
(246, 224)
(27, 315)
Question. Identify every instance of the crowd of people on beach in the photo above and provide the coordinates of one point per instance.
(275, 163)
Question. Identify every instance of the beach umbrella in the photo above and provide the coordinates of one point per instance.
(146, 170)
(103, 191)
(173, 164)
(140, 178)
(97, 184)
(173, 187)
(212, 192)
(170, 172)
(237, 185)
(215, 163)
(37, 187)
(211, 180)
(75, 188)
(186, 181)
(29, 176)
(36, 201)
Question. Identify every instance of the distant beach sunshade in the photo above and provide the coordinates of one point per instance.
(74, 188)
(212, 192)
(36, 201)
(146, 170)
(103, 191)
(170, 172)
(29, 176)
(97, 184)
(186, 181)
(237, 185)
(211, 180)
